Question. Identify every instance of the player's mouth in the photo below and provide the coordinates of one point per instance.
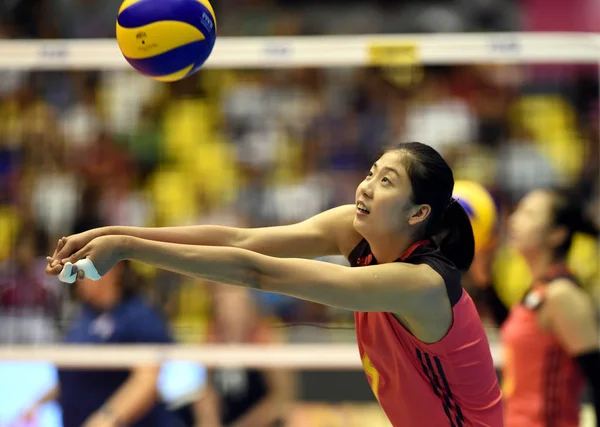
(361, 209)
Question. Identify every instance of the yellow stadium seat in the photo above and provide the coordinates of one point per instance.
(187, 124)
(9, 226)
(193, 308)
(552, 122)
(215, 172)
(174, 197)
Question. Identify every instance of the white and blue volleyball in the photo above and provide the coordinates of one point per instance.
(166, 40)
(481, 208)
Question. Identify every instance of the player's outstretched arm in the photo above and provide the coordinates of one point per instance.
(329, 233)
(397, 287)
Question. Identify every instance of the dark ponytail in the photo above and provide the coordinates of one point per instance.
(569, 213)
(455, 238)
(432, 183)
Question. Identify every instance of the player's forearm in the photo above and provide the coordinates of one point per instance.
(50, 396)
(265, 413)
(207, 409)
(207, 235)
(274, 406)
(134, 398)
(298, 278)
(226, 265)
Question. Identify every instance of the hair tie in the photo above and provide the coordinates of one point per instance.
(451, 202)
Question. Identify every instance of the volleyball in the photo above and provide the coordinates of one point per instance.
(166, 40)
(481, 208)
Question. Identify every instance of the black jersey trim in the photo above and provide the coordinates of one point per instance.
(426, 253)
(441, 388)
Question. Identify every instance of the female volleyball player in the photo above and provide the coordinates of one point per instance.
(422, 343)
(111, 313)
(551, 337)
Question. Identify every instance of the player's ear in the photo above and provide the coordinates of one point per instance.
(420, 213)
(558, 236)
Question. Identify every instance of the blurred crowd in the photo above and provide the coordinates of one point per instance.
(96, 18)
(260, 147)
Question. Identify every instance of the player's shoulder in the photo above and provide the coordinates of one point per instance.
(429, 255)
(337, 223)
(563, 288)
(343, 214)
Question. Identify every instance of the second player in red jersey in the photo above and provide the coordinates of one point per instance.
(551, 336)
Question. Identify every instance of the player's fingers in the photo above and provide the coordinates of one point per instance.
(54, 271)
(61, 244)
(80, 254)
(65, 251)
(52, 262)
(53, 268)
(53, 257)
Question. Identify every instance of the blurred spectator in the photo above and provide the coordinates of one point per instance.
(436, 116)
(521, 166)
(243, 397)
(10, 80)
(55, 193)
(80, 123)
(86, 18)
(250, 110)
(111, 312)
(34, 18)
(28, 300)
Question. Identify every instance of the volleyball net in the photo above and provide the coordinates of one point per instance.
(270, 131)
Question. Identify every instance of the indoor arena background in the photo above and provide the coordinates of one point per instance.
(257, 147)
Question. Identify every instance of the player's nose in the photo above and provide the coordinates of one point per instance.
(365, 189)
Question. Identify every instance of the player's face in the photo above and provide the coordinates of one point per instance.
(383, 198)
(530, 224)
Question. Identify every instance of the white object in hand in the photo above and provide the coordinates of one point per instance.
(86, 265)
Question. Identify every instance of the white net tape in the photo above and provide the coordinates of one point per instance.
(331, 51)
(294, 356)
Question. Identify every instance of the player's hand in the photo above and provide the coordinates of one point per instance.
(54, 266)
(104, 252)
(66, 247)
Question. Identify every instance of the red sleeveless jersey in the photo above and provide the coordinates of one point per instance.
(448, 383)
(542, 383)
